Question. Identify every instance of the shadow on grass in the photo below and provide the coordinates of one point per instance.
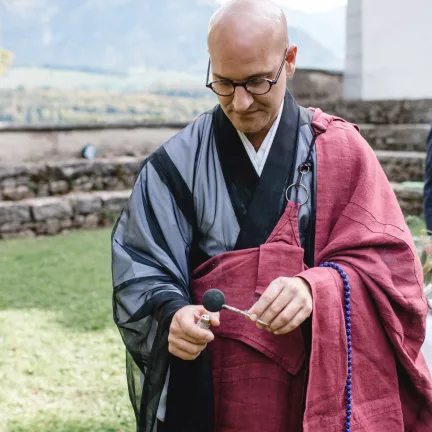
(69, 275)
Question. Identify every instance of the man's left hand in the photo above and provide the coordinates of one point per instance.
(284, 305)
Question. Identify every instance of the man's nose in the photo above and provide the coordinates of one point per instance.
(242, 100)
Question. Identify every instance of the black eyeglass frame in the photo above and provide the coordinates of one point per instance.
(244, 84)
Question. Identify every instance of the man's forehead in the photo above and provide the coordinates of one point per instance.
(243, 67)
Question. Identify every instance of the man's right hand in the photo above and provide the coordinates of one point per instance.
(186, 340)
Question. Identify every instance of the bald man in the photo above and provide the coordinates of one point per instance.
(287, 211)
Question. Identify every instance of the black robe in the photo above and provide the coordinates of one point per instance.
(197, 196)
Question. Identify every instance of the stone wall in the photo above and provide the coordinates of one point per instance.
(58, 178)
(40, 195)
(52, 215)
(389, 112)
(316, 85)
(404, 123)
(396, 137)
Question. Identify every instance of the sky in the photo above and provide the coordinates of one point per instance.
(308, 5)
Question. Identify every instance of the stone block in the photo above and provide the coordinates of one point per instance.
(18, 234)
(66, 224)
(410, 197)
(59, 187)
(112, 183)
(401, 167)
(113, 202)
(70, 170)
(8, 183)
(378, 112)
(411, 138)
(131, 166)
(53, 226)
(86, 203)
(10, 227)
(42, 190)
(17, 193)
(51, 208)
(14, 212)
(91, 221)
(105, 167)
(82, 184)
(98, 184)
(49, 227)
(130, 181)
(79, 221)
(22, 180)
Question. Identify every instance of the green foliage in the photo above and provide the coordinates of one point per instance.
(423, 244)
(57, 106)
(61, 356)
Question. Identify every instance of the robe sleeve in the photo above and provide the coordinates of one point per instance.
(150, 247)
(370, 240)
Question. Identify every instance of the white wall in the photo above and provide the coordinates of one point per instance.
(395, 52)
(353, 57)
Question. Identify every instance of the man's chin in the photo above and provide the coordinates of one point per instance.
(247, 126)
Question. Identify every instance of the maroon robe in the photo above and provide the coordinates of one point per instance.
(259, 378)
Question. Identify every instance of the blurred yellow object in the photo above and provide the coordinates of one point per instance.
(6, 58)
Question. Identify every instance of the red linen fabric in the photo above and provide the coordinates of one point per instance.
(259, 378)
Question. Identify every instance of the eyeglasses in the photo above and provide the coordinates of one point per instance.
(255, 86)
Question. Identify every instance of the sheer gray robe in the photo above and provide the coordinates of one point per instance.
(197, 196)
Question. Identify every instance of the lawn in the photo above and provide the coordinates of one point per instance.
(61, 356)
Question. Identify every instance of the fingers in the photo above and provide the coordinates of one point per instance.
(186, 340)
(187, 329)
(274, 310)
(215, 319)
(184, 349)
(288, 303)
(266, 299)
(295, 321)
(286, 315)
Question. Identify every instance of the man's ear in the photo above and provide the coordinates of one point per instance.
(291, 60)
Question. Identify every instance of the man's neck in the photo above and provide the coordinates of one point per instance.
(257, 138)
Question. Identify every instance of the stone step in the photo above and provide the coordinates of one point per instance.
(396, 137)
(414, 111)
(402, 166)
(60, 178)
(52, 215)
(89, 210)
(410, 197)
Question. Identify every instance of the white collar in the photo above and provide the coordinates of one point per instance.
(258, 158)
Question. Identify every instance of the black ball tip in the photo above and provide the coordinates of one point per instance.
(213, 300)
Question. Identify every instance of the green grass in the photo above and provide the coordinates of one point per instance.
(61, 356)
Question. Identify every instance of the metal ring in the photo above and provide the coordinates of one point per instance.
(304, 169)
(301, 185)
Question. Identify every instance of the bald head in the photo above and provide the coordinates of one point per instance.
(243, 23)
(248, 43)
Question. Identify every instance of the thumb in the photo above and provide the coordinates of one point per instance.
(215, 318)
(200, 310)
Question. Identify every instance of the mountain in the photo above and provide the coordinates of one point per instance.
(326, 27)
(131, 35)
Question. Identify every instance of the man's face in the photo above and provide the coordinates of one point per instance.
(250, 113)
